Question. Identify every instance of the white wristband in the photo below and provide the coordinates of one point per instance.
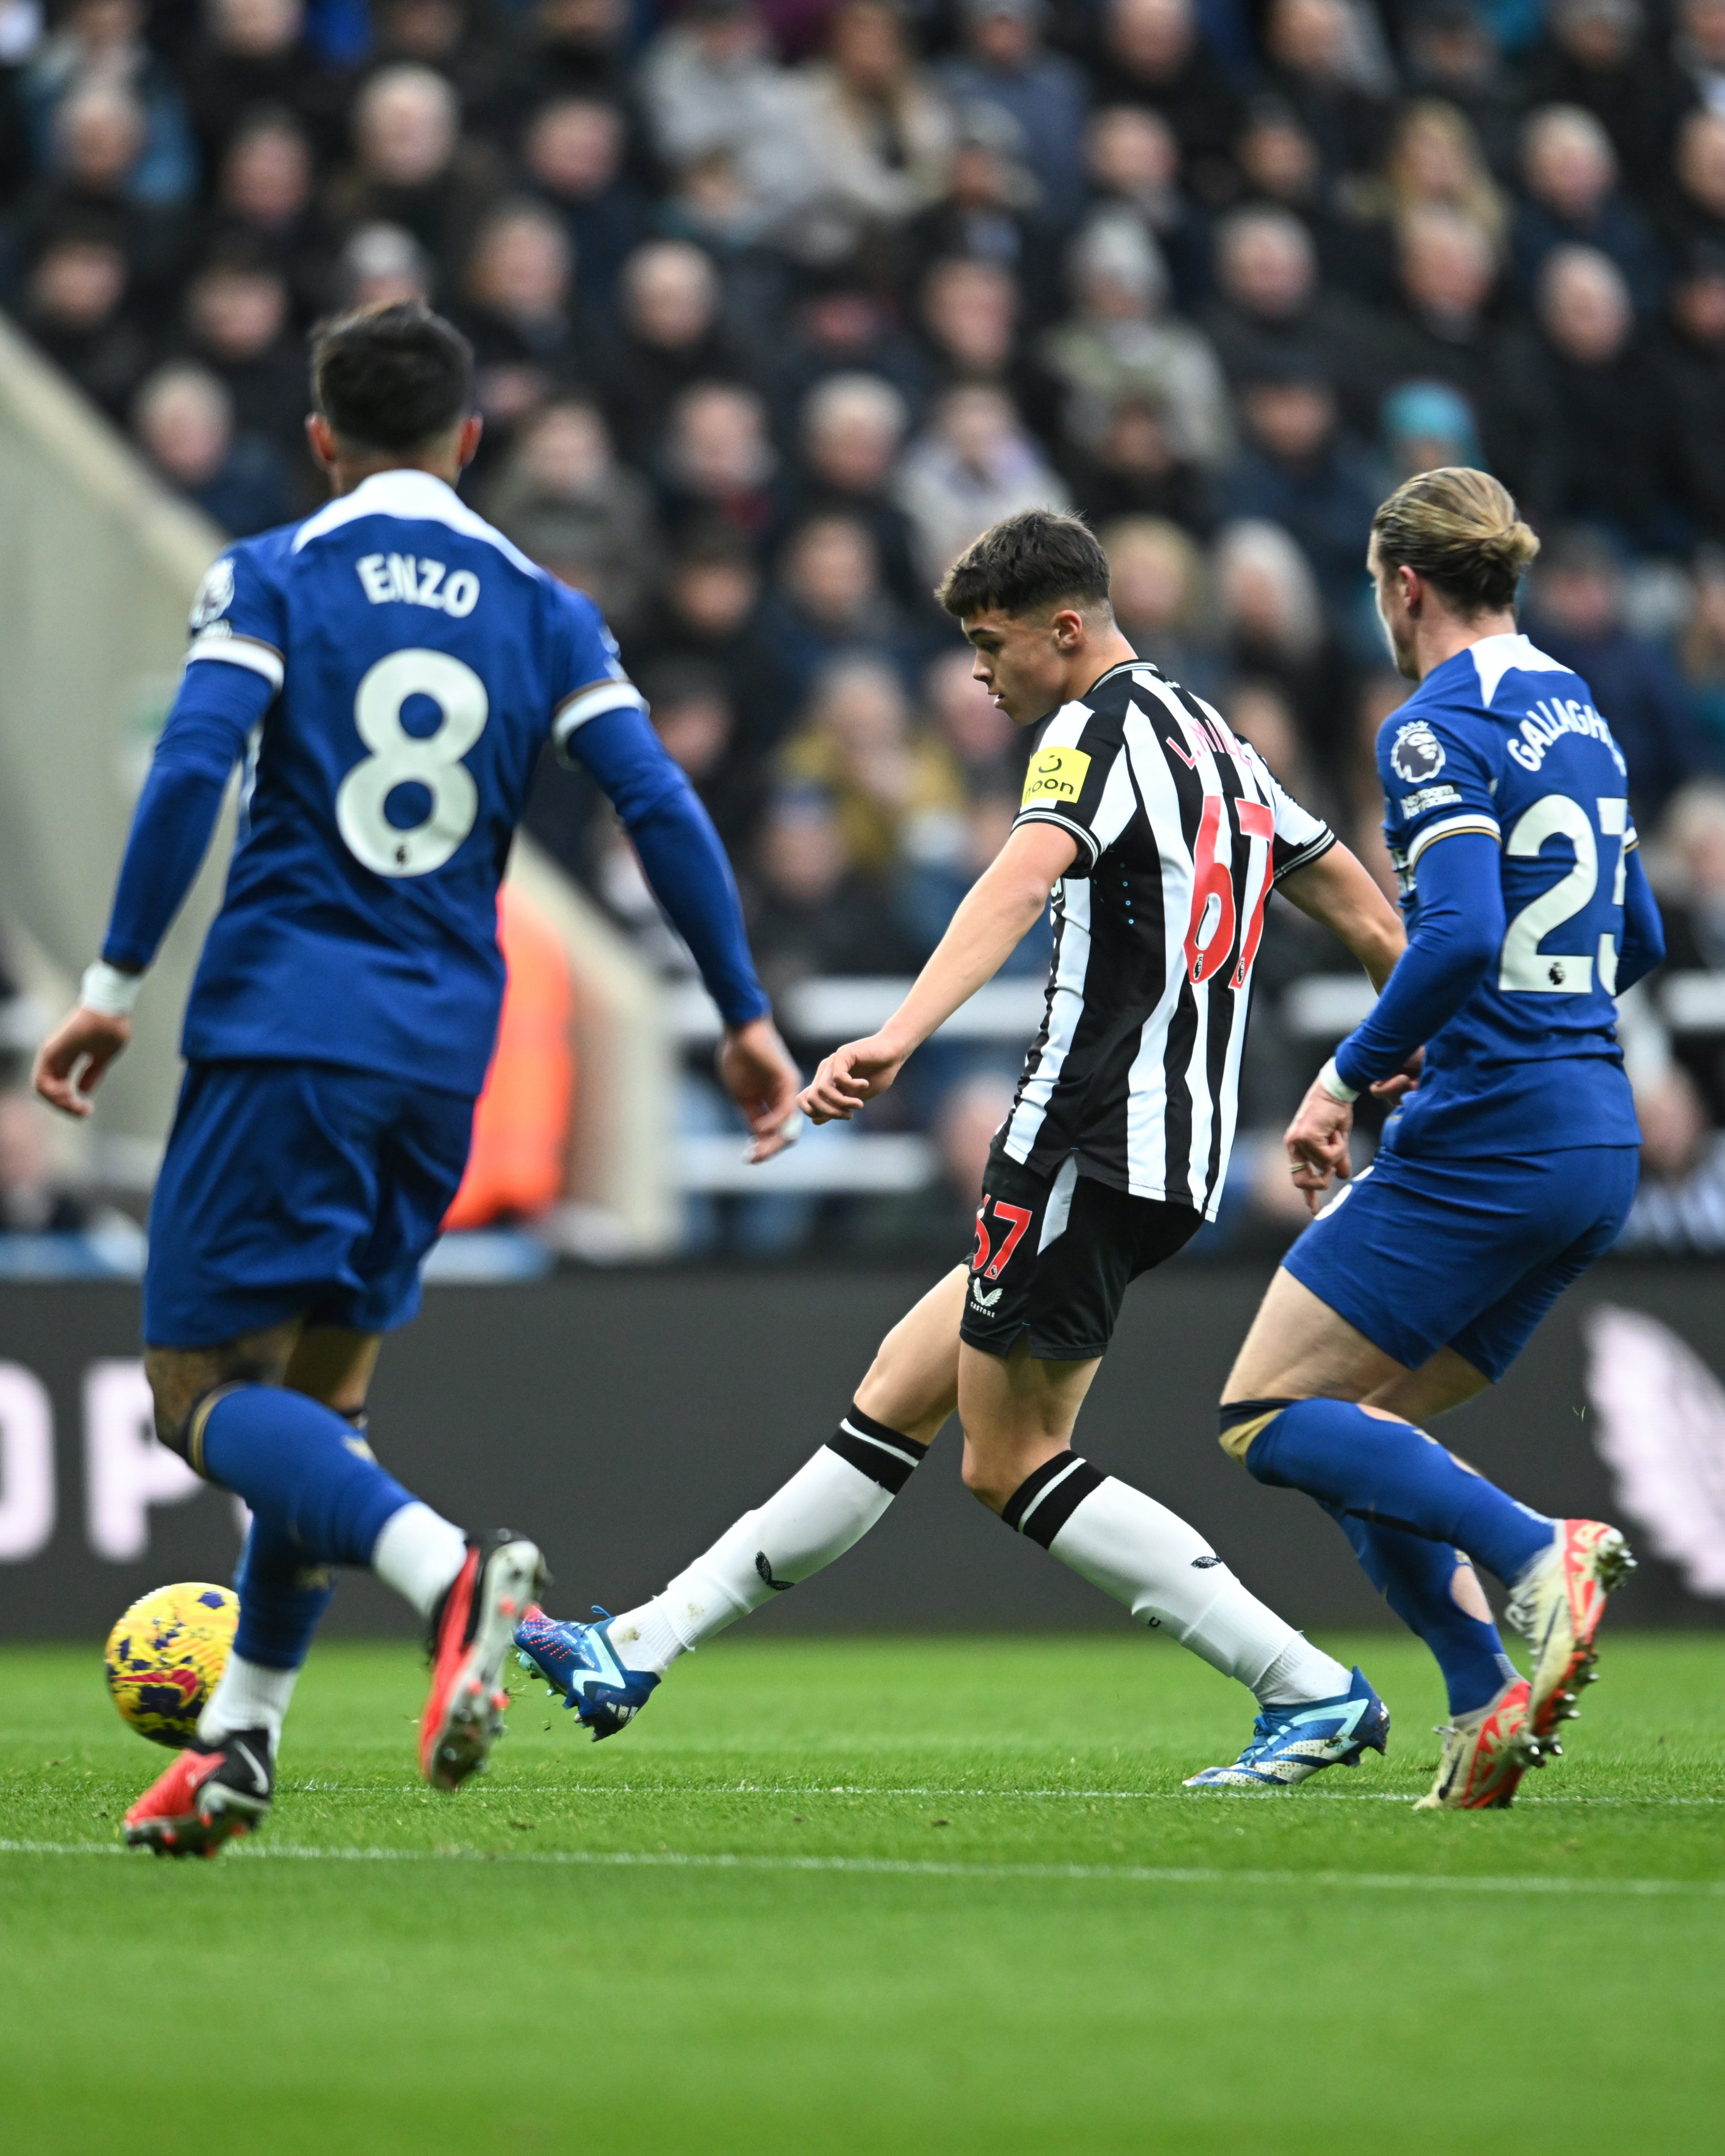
(107, 989)
(1331, 1082)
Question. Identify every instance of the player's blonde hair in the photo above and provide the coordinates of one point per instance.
(1459, 529)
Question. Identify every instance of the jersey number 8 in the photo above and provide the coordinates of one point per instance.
(399, 758)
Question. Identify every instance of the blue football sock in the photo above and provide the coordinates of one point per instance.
(282, 1594)
(303, 1469)
(1390, 1473)
(1414, 1576)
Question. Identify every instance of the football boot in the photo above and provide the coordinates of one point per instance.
(468, 1644)
(1485, 1755)
(210, 1794)
(1557, 1608)
(1289, 1744)
(578, 1662)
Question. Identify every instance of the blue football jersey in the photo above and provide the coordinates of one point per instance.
(1503, 740)
(420, 664)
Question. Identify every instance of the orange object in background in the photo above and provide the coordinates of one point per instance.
(520, 1127)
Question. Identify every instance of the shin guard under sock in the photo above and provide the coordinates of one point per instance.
(827, 1505)
(1170, 1577)
(283, 1594)
(1390, 1474)
(300, 1467)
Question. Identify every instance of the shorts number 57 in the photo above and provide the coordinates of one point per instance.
(1016, 1218)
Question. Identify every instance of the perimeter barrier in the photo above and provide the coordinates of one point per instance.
(625, 1416)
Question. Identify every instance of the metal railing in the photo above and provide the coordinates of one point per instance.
(1317, 1011)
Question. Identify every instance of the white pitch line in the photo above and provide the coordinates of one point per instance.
(1142, 1875)
(1154, 1796)
(1207, 1799)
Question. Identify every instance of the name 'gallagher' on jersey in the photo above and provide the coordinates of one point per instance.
(1502, 741)
(420, 663)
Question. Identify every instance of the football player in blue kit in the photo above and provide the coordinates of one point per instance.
(389, 670)
(1509, 1162)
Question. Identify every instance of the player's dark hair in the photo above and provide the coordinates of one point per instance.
(391, 378)
(1039, 558)
(1459, 529)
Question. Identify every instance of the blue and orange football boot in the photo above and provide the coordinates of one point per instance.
(212, 1793)
(1290, 1744)
(579, 1662)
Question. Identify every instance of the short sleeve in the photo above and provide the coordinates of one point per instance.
(1297, 837)
(588, 676)
(1437, 782)
(238, 618)
(1078, 777)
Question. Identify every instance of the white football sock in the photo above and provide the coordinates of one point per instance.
(247, 1696)
(827, 1504)
(1168, 1577)
(1302, 1673)
(418, 1553)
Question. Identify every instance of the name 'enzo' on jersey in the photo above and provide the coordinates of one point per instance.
(426, 583)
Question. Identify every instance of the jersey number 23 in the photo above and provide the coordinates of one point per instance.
(1523, 969)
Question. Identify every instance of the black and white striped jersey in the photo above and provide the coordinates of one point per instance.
(1181, 831)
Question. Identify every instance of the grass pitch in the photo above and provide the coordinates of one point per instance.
(881, 1896)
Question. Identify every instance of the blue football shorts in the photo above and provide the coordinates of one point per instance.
(1419, 1254)
(297, 1187)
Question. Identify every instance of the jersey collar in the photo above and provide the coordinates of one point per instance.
(1124, 666)
(1512, 653)
(415, 497)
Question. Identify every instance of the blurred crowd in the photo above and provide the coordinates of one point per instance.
(777, 303)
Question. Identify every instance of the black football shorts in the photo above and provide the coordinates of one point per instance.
(1054, 1255)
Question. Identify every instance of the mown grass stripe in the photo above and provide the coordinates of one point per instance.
(1143, 1874)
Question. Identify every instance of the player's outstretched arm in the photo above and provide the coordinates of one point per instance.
(1461, 923)
(1338, 891)
(216, 706)
(992, 919)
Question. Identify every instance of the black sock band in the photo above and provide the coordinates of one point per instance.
(1232, 1411)
(1044, 1502)
(886, 1456)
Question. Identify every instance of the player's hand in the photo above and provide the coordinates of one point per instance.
(1400, 1083)
(756, 1070)
(851, 1076)
(71, 1060)
(1316, 1141)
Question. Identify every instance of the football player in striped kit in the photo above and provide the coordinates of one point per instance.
(1158, 835)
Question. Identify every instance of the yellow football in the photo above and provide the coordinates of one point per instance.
(166, 1655)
